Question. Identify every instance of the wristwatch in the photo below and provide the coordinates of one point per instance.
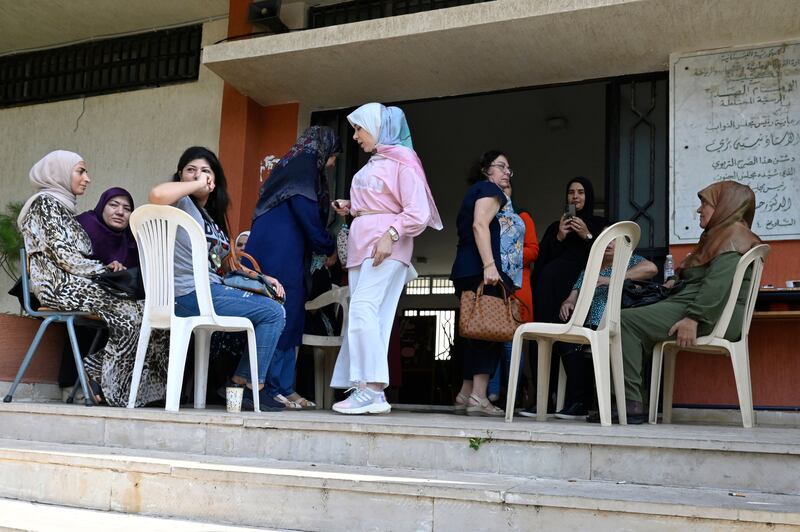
(393, 234)
(589, 236)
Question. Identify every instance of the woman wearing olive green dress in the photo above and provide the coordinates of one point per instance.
(726, 214)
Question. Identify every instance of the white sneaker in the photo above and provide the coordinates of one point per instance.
(363, 401)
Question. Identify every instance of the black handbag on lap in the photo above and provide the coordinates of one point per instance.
(126, 284)
(641, 293)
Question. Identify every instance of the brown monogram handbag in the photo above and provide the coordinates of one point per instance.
(487, 317)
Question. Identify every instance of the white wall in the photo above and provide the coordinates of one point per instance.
(450, 134)
(130, 139)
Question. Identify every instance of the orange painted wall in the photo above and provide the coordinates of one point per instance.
(248, 132)
(774, 364)
(783, 262)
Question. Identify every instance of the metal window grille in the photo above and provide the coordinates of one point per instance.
(357, 10)
(101, 67)
(427, 285)
(445, 329)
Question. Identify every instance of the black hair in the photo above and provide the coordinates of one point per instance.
(481, 166)
(218, 200)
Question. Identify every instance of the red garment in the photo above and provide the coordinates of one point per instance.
(530, 251)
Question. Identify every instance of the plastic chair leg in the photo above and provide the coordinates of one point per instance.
(254, 376)
(178, 344)
(138, 365)
(618, 377)
(545, 352)
(513, 377)
(562, 386)
(28, 357)
(602, 376)
(741, 372)
(655, 382)
(202, 346)
(669, 381)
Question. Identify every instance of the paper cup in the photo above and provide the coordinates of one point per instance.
(233, 398)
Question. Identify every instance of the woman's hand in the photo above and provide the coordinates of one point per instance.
(669, 283)
(331, 260)
(341, 206)
(579, 226)
(279, 291)
(566, 309)
(382, 249)
(490, 275)
(116, 266)
(564, 227)
(686, 330)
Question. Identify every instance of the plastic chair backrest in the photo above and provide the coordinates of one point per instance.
(155, 229)
(336, 295)
(756, 257)
(626, 235)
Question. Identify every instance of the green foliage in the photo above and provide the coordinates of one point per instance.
(10, 240)
(476, 442)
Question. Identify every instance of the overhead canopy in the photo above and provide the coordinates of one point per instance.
(490, 46)
(45, 23)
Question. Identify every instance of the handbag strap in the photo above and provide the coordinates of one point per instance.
(234, 262)
(479, 292)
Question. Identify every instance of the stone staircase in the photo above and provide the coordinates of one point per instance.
(404, 471)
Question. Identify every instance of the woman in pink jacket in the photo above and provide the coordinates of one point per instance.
(391, 203)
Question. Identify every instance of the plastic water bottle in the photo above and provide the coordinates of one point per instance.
(669, 267)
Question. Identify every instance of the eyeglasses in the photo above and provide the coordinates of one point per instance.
(503, 168)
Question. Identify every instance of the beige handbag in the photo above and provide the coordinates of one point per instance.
(489, 318)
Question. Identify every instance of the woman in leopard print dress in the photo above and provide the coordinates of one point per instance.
(61, 277)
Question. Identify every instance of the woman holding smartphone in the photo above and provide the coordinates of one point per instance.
(563, 251)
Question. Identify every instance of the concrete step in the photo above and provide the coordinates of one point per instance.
(315, 496)
(732, 458)
(19, 516)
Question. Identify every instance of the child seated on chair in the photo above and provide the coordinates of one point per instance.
(200, 189)
(726, 214)
(576, 363)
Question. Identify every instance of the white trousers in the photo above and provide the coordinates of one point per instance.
(374, 293)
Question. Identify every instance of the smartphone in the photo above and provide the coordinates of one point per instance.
(569, 210)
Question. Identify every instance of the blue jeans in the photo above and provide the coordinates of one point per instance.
(501, 372)
(280, 376)
(267, 315)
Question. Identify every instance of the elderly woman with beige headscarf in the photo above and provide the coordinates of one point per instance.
(62, 277)
(726, 214)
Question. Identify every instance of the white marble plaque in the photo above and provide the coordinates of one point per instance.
(735, 114)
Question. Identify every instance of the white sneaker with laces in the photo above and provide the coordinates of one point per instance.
(363, 401)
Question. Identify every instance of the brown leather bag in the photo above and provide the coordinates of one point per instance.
(490, 318)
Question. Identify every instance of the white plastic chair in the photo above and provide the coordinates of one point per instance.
(664, 352)
(324, 351)
(601, 340)
(155, 228)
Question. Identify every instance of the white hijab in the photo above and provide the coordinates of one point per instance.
(52, 175)
(368, 116)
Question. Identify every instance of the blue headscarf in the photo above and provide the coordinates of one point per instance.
(387, 125)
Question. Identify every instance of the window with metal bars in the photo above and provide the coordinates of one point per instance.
(357, 10)
(427, 285)
(445, 329)
(101, 67)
